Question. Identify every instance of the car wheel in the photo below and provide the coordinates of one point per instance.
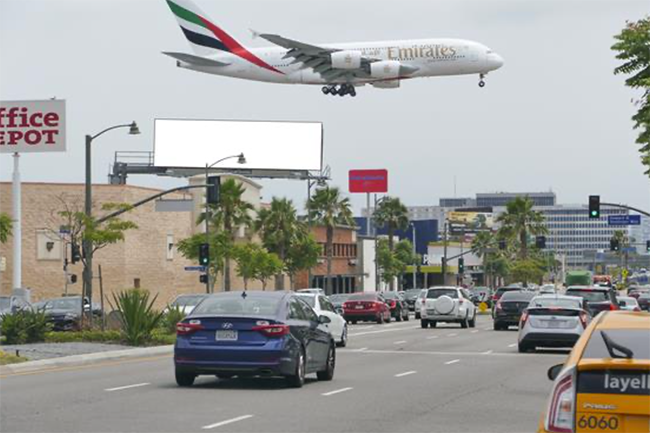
(297, 380)
(406, 318)
(523, 348)
(424, 324)
(497, 326)
(398, 316)
(380, 319)
(184, 378)
(344, 337)
(472, 323)
(464, 323)
(354, 322)
(433, 324)
(417, 316)
(328, 373)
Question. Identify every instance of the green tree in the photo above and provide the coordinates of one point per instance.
(219, 247)
(277, 226)
(392, 264)
(483, 245)
(632, 47)
(393, 215)
(530, 269)
(267, 265)
(519, 221)
(327, 208)
(5, 227)
(248, 261)
(229, 215)
(303, 254)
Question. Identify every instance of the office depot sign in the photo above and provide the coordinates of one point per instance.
(368, 181)
(32, 126)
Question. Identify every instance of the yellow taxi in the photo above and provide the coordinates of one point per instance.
(604, 386)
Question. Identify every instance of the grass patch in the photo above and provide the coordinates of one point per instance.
(158, 337)
(6, 358)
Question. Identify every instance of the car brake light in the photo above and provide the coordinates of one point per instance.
(272, 330)
(524, 317)
(495, 298)
(393, 304)
(613, 307)
(184, 328)
(560, 412)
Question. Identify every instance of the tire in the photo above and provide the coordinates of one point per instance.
(498, 326)
(398, 316)
(424, 324)
(407, 317)
(472, 323)
(523, 348)
(297, 380)
(433, 324)
(344, 337)
(184, 378)
(464, 323)
(380, 319)
(354, 322)
(328, 373)
(417, 316)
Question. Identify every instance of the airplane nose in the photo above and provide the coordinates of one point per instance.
(495, 61)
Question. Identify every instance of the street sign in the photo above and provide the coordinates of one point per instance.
(195, 268)
(624, 220)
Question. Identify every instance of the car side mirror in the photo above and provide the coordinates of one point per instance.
(554, 371)
(324, 320)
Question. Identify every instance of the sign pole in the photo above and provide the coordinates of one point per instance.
(368, 214)
(17, 221)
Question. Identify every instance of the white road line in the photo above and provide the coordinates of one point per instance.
(406, 373)
(119, 388)
(451, 335)
(512, 345)
(486, 329)
(226, 422)
(382, 331)
(400, 342)
(437, 353)
(326, 394)
(475, 331)
(487, 352)
(361, 349)
(452, 361)
(432, 337)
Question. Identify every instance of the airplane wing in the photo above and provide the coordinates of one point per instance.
(318, 58)
(195, 60)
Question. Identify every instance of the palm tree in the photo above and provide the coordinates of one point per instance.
(326, 207)
(231, 213)
(519, 220)
(393, 215)
(482, 245)
(277, 227)
(5, 227)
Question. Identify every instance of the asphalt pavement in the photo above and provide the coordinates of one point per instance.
(391, 378)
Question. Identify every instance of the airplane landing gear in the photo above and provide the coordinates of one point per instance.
(326, 90)
(481, 82)
(342, 90)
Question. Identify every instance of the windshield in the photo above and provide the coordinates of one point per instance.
(412, 293)
(435, 294)
(191, 300)
(554, 303)
(70, 304)
(589, 295)
(339, 298)
(390, 295)
(239, 306)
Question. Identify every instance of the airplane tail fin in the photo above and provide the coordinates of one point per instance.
(203, 35)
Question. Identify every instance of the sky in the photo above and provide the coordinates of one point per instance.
(554, 118)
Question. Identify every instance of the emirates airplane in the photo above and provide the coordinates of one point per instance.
(339, 68)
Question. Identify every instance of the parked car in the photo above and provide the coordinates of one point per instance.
(410, 296)
(397, 305)
(603, 385)
(628, 303)
(644, 302)
(338, 327)
(186, 303)
(338, 300)
(254, 334)
(552, 321)
(507, 311)
(598, 298)
(366, 306)
(13, 304)
(317, 291)
(65, 313)
(419, 301)
(447, 304)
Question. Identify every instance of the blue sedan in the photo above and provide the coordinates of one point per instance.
(254, 334)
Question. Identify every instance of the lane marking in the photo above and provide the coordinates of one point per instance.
(434, 353)
(451, 335)
(400, 342)
(452, 361)
(486, 329)
(487, 352)
(226, 422)
(512, 345)
(119, 388)
(327, 394)
(406, 373)
(475, 331)
(361, 349)
(382, 331)
(432, 337)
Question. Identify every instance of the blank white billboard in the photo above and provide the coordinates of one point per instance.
(184, 143)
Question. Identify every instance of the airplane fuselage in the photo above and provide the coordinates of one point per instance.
(431, 57)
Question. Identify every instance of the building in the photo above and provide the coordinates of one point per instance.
(455, 202)
(501, 199)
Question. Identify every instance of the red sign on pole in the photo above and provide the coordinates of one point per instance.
(368, 181)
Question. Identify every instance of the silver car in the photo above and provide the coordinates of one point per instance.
(552, 321)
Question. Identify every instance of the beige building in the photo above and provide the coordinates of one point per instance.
(147, 258)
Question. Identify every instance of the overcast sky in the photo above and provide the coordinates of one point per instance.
(553, 118)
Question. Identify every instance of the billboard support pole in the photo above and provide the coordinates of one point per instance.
(368, 214)
(17, 223)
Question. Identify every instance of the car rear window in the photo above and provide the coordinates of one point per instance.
(517, 297)
(435, 294)
(363, 297)
(636, 340)
(239, 306)
(589, 295)
(390, 295)
(554, 303)
(183, 301)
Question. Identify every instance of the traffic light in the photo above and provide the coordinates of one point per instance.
(203, 278)
(540, 242)
(461, 265)
(614, 245)
(214, 185)
(594, 206)
(76, 253)
(647, 246)
(502, 245)
(204, 254)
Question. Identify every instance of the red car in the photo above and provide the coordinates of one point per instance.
(366, 306)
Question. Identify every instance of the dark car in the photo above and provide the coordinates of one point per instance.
(644, 301)
(499, 293)
(254, 334)
(410, 296)
(65, 313)
(366, 306)
(13, 304)
(508, 309)
(597, 298)
(338, 300)
(398, 308)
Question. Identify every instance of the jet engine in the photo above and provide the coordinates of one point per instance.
(388, 69)
(346, 59)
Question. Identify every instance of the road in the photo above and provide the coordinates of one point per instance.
(390, 378)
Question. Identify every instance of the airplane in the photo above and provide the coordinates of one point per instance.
(339, 68)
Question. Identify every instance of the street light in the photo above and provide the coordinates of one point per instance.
(87, 243)
(241, 159)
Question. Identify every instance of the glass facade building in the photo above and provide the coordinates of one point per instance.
(501, 199)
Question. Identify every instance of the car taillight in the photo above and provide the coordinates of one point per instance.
(524, 317)
(583, 319)
(495, 298)
(559, 417)
(393, 304)
(186, 328)
(272, 330)
(347, 305)
(613, 307)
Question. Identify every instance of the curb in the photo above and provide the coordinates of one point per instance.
(89, 358)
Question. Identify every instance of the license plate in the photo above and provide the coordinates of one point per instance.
(226, 335)
(359, 307)
(597, 422)
(554, 324)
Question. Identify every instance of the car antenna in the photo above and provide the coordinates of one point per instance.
(612, 345)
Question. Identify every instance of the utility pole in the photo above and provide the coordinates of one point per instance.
(444, 254)
(415, 263)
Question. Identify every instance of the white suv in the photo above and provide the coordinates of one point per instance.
(448, 304)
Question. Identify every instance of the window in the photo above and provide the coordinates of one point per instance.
(325, 304)
(295, 310)
(308, 312)
(170, 247)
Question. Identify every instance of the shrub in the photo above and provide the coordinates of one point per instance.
(137, 315)
(161, 338)
(173, 315)
(7, 358)
(88, 336)
(24, 327)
